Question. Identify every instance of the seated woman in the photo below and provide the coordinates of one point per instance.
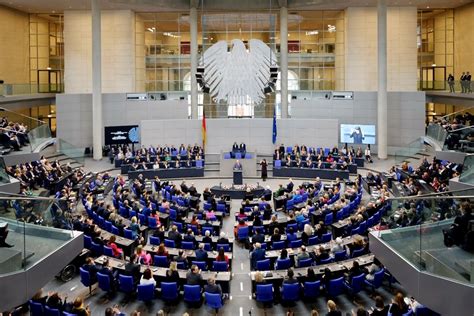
(241, 224)
(142, 256)
(117, 252)
(147, 278)
(172, 274)
(258, 280)
(398, 306)
(162, 250)
(222, 256)
(307, 233)
(276, 235)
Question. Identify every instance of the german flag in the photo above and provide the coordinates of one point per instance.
(204, 130)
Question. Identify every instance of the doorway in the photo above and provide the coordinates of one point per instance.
(49, 81)
(433, 78)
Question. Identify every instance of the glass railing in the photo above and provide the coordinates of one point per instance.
(439, 246)
(409, 150)
(72, 152)
(39, 135)
(439, 85)
(27, 88)
(437, 132)
(467, 174)
(31, 228)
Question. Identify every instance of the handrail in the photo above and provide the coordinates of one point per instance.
(460, 129)
(32, 118)
(437, 197)
(463, 110)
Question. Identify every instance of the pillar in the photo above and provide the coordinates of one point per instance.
(194, 61)
(96, 81)
(284, 61)
(382, 78)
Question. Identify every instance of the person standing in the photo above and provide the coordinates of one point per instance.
(468, 82)
(263, 164)
(451, 83)
(462, 82)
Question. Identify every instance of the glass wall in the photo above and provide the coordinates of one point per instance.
(315, 47)
(46, 52)
(435, 40)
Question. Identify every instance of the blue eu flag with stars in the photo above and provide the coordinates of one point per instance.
(274, 136)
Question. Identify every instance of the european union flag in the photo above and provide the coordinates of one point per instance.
(274, 136)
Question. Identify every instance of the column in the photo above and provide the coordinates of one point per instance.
(284, 61)
(194, 61)
(382, 78)
(96, 81)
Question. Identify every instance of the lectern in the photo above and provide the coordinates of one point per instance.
(237, 176)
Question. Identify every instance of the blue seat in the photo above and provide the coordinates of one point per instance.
(220, 266)
(142, 219)
(170, 243)
(199, 163)
(97, 249)
(355, 231)
(200, 264)
(69, 314)
(207, 206)
(152, 223)
(86, 279)
(155, 241)
(128, 233)
(169, 291)
(126, 284)
(358, 252)
(356, 284)
(277, 164)
(213, 301)
(192, 294)
(335, 287)
(264, 293)
(305, 263)
(283, 264)
(296, 243)
(326, 237)
(181, 265)
(278, 245)
(290, 292)
(145, 292)
(328, 219)
(161, 261)
(377, 281)
(48, 311)
(36, 309)
(243, 233)
(115, 230)
(226, 247)
(311, 290)
(104, 282)
(238, 155)
(108, 251)
(108, 226)
(210, 229)
(221, 208)
(263, 265)
(340, 255)
(259, 229)
(87, 242)
(340, 215)
(207, 247)
(292, 226)
(313, 241)
(188, 245)
(226, 155)
(325, 261)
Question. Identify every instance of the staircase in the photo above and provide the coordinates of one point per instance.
(63, 159)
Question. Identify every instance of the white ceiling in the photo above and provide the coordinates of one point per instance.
(46, 6)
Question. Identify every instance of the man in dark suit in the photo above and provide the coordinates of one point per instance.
(463, 82)
(222, 239)
(132, 269)
(468, 82)
(107, 270)
(258, 238)
(175, 235)
(237, 165)
(290, 185)
(257, 255)
(201, 254)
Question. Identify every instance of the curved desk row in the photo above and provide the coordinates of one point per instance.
(219, 191)
(168, 173)
(311, 173)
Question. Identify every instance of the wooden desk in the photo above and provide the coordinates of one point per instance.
(126, 244)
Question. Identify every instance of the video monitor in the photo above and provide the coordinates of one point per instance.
(358, 134)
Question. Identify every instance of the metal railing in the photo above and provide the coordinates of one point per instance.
(440, 85)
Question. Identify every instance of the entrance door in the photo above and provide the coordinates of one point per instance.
(49, 80)
(433, 78)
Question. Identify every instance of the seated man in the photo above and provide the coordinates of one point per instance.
(212, 287)
(193, 277)
(257, 255)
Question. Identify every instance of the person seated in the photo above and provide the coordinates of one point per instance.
(221, 256)
(212, 287)
(79, 309)
(302, 255)
(223, 240)
(258, 280)
(201, 254)
(132, 269)
(258, 237)
(398, 306)
(175, 235)
(116, 251)
(354, 271)
(290, 277)
(189, 237)
(256, 255)
(108, 271)
(308, 232)
(320, 254)
(257, 221)
(56, 302)
(276, 236)
(310, 276)
(39, 297)
(380, 308)
(147, 278)
(90, 267)
(240, 225)
(193, 277)
(290, 235)
(172, 274)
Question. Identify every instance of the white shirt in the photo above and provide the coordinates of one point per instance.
(149, 281)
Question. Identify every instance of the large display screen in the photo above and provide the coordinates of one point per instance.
(127, 134)
(358, 134)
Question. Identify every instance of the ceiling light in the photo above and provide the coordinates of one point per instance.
(331, 28)
(315, 32)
